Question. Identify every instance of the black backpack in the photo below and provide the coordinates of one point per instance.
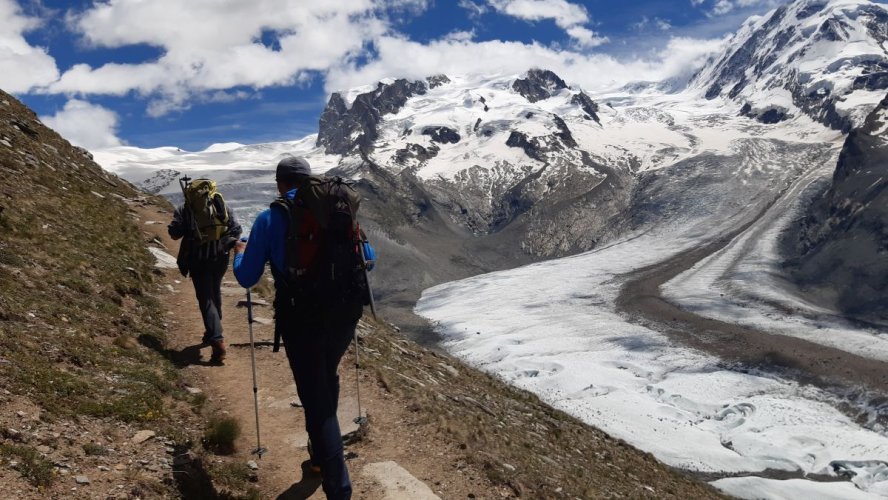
(323, 261)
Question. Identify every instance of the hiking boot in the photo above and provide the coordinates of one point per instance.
(316, 468)
(218, 352)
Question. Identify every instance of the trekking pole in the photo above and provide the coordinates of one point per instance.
(183, 183)
(259, 449)
(361, 420)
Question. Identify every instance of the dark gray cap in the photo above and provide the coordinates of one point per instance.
(292, 168)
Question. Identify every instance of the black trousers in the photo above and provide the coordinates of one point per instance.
(315, 340)
(207, 279)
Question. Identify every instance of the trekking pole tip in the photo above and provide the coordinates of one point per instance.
(260, 451)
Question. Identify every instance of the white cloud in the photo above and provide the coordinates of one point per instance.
(660, 24)
(213, 54)
(209, 47)
(567, 16)
(475, 9)
(721, 7)
(399, 57)
(22, 66)
(84, 124)
(586, 38)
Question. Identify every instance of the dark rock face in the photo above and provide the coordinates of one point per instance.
(540, 84)
(819, 106)
(443, 135)
(837, 250)
(588, 105)
(833, 30)
(810, 9)
(564, 133)
(768, 116)
(415, 152)
(874, 77)
(531, 147)
(342, 130)
(436, 81)
(734, 68)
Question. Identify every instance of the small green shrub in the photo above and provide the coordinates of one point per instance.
(221, 433)
(33, 467)
(95, 449)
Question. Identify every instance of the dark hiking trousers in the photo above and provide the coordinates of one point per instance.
(315, 343)
(207, 279)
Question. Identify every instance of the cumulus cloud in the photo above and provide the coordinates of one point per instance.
(567, 16)
(86, 125)
(646, 22)
(22, 66)
(722, 7)
(207, 47)
(400, 57)
(475, 9)
(212, 54)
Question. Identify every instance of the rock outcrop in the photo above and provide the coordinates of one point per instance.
(539, 84)
(837, 251)
(343, 129)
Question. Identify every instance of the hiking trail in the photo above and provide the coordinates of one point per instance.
(391, 462)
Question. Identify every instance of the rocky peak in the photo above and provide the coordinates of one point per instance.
(436, 81)
(342, 130)
(589, 106)
(538, 85)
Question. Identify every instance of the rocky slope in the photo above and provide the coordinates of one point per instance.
(837, 251)
(81, 335)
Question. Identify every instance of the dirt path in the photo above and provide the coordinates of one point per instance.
(392, 462)
(640, 298)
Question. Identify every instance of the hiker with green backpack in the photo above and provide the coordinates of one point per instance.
(209, 230)
(319, 257)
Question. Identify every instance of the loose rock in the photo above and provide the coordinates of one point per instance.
(142, 436)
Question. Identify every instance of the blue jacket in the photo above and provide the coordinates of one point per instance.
(268, 243)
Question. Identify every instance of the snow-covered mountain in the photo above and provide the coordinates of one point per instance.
(827, 59)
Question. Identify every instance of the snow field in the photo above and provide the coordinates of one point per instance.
(551, 328)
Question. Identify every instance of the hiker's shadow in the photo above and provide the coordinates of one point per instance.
(183, 358)
(306, 486)
(189, 356)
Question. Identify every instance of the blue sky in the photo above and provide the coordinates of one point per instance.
(171, 73)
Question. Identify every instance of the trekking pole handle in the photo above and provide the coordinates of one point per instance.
(367, 279)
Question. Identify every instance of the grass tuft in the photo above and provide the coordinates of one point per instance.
(221, 433)
(36, 469)
(95, 450)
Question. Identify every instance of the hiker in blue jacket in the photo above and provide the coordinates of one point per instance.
(315, 334)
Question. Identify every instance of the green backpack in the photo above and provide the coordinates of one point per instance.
(208, 209)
